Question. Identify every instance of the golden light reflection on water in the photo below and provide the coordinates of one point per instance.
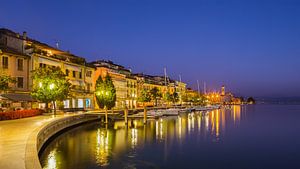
(110, 142)
(102, 149)
(51, 160)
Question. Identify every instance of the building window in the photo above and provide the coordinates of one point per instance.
(88, 103)
(89, 74)
(20, 64)
(67, 72)
(20, 82)
(66, 103)
(43, 65)
(80, 75)
(74, 73)
(5, 62)
(89, 85)
(80, 103)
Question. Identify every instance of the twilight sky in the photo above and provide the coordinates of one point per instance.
(251, 46)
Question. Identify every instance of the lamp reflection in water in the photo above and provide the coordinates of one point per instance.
(166, 131)
(179, 127)
(52, 163)
(102, 151)
(134, 137)
(236, 113)
(217, 123)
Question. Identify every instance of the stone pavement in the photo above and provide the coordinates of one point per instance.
(13, 138)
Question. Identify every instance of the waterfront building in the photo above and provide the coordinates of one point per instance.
(180, 88)
(118, 75)
(149, 82)
(223, 90)
(39, 54)
(16, 65)
(131, 99)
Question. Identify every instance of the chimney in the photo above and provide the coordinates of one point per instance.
(24, 35)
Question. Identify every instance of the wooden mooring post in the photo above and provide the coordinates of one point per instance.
(126, 115)
(145, 115)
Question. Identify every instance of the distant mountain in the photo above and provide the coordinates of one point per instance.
(278, 100)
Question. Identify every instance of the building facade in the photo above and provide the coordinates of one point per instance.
(33, 54)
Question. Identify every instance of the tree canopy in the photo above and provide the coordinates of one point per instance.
(155, 94)
(172, 97)
(5, 80)
(105, 92)
(251, 100)
(145, 96)
(50, 84)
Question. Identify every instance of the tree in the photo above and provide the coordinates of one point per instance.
(155, 94)
(198, 99)
(105, 92)
(172, 97)
(50, 85)
(5, 80)
(175, 97)
(251, 100)
(145, 96)
(168, 97)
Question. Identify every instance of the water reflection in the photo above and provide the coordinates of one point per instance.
(119, 146)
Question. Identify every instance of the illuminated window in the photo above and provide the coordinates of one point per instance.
(80, 103)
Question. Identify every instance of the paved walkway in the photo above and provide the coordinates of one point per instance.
(13, 138)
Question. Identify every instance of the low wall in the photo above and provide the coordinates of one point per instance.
(39, 137)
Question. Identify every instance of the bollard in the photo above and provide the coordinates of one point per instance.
(145, 115)
(106, 118)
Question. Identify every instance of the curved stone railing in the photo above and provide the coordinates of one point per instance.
(40, 135)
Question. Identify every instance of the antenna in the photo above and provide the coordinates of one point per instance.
(165, 70)
(180, 78)
(204, 85)
(56, 43)
(198, 87)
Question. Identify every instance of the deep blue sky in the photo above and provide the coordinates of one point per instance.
(251, 46)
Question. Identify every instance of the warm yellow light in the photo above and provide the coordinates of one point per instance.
(40, 84)
(51, 86)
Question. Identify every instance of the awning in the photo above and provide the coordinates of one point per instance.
(49, 62)
(17, 97)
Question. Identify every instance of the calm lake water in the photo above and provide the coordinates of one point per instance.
(253, 136)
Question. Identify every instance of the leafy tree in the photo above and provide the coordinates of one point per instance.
(105, 93)
(50, 85)
(145, 96)
(242, 99)
(198, 99)
(5, 80)
(251, 100)
(171, 97)
(175, 97)
(155, 94)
